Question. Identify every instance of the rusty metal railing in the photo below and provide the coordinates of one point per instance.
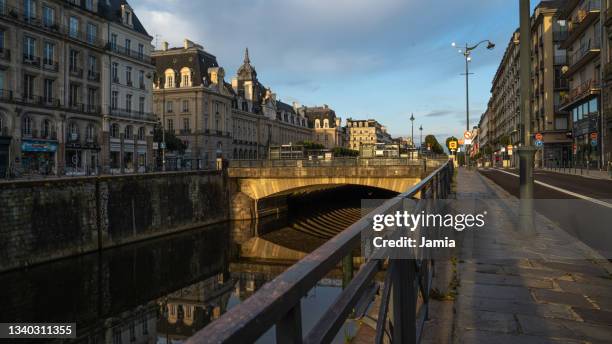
(278, 302)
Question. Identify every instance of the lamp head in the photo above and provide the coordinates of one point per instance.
(491, 45)
(453, 44)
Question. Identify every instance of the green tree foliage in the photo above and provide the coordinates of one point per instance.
(342, 151)
(432, 142)
(173, 143)
(309, 145)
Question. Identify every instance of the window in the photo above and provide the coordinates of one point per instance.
(186, 124)
(92, 33)
(73, 60)
(115, 72)
(48, 90)
(325, 123)
(169, 106)
(89, 132)
(145, 329)
(48, 53)
(2, 32)
(74, 94)
(117, 336)
(26, 128)
(185, 77)
(114, 130)
(170, 124)
(128, 102)
(169, 74)
(128, 75)
(128, 46)
(29, 48)
(128, 132)
(92, 65)
(113, 41)
(91, 98)
(141, 133)
(185, 105)
(74, 27)
(45, 129)
(140, 51)
(141, 82)
(28, 86)
(48, 16)
(29, 9)
(89, 5)
(132, 332)
(141, 105)
(114, 99)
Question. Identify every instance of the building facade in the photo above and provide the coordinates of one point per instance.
(327, 126)
(549, 85)
(583, 70)
(365, 132)
(128, 120)
(606, 120)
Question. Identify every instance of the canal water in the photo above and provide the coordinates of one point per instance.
(166, 289)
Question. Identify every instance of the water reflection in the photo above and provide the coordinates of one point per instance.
(164, 290)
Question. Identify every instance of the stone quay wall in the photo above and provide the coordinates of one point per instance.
(43, 220)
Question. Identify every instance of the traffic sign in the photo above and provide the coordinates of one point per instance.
(539, 137)
(594, 143)
(467, 134)
(468, 141)
(452, 145)
(539, 143)
(593, 136)
(162, 145)
(461, 141)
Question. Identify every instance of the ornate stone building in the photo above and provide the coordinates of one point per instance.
(327, 126)
(365, 132)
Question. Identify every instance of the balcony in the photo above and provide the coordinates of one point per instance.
(142, 86)
(76, 71)
(5, 54)
(131, 114)
(582, 56)
(128, 53)
(50, 65)
(584, 90)
(31, 60)
(586, 15)
(129, 83)
(40, 100)
(93, 75)
(34, 20)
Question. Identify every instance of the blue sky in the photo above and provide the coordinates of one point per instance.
(382, 59)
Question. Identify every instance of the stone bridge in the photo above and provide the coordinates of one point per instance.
(254, 181)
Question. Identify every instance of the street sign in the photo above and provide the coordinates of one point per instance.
(594, 143)
(468, 141)
(539, 137)
(162, 145)
(539, 143)
(452, 145)
(155, 146)
(467, 134)
(575, 148)
(593, 136)
(509, 149)
(461, 141)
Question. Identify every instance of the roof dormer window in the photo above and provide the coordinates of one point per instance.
(126, 15)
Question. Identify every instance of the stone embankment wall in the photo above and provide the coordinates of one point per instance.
(54, 218)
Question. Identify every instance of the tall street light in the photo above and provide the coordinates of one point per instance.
(412, 126)
(526, 151)
(421, 140)
(466, 53)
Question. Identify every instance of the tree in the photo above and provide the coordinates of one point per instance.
(342, 151)
(432, 143)
(309, 145)
(173, 143)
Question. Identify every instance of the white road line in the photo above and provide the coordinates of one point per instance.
(586, 198)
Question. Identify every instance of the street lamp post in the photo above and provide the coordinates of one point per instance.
(526, 151)
(412, 128)
(421, 140)
(466, 53)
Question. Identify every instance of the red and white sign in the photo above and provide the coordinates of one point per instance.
(575, 148)
(539, 136)
(467, 134)
(593, 136)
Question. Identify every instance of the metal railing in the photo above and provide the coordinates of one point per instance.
(341, 162)
(277, 303)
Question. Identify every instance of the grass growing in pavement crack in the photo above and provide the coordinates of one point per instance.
(451, 294)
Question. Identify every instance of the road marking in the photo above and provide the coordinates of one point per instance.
(586, 198)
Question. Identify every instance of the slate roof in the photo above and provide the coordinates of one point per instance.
(113, 13)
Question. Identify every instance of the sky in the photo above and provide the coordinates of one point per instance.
(381, 59)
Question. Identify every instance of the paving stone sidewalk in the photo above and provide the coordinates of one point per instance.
(544, 299)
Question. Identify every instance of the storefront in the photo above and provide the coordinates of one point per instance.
(38, 157)
(82, 159)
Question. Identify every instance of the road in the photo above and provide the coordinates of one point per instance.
(581, 206)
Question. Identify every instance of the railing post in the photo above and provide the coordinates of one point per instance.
(347, 269)
(289, 328)
(403, 302)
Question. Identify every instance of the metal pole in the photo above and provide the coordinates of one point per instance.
(467, 102)
(526, 151)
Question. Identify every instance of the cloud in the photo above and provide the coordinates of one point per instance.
(439, 113)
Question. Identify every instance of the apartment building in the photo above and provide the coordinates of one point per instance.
(549, 84)
(365, 132)
(50, 55)
(605, 138)
(128, 119)
(583, 70)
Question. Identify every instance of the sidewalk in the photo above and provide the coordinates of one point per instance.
(596, 174)
(548, 299)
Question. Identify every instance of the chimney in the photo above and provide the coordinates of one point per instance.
(325, 106)
(187, 44)
(296, 105)
(165, 46)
